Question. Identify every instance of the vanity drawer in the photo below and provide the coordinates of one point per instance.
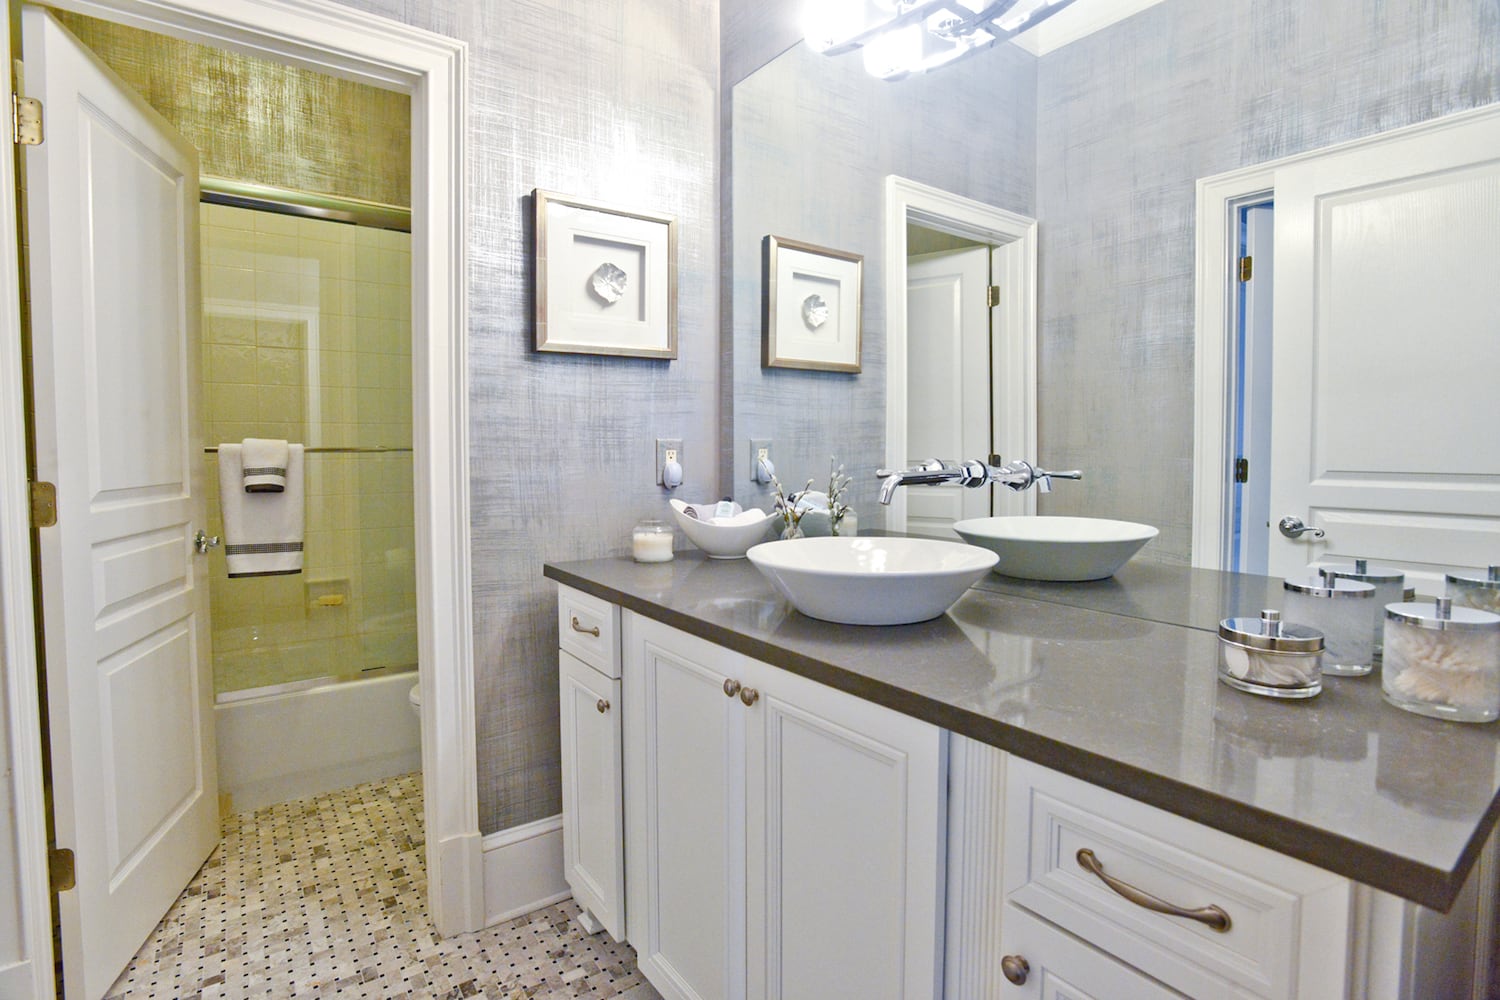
(589, 629)
(1277, 909)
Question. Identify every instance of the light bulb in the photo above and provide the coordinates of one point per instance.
(895, 52)
(826, 23)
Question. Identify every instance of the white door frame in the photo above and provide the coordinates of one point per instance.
(347, 43)
(1014, 336)
(1220, 198)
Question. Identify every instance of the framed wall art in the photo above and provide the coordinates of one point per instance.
(811, 307)
(606, 279)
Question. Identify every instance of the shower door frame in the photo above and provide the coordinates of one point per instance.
(432, 69)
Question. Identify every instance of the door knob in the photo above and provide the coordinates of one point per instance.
(202, 541)
(1292, 527)
(1016, 969)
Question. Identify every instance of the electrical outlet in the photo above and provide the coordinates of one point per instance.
(667, 450)
(760, 448)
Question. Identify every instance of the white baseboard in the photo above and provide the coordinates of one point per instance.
(523, 870)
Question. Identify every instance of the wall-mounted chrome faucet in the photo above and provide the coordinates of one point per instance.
(1017, 475)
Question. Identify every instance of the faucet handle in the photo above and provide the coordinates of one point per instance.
(1070, 474)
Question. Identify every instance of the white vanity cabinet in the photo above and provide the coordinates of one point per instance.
(754, 834)
(593, 804)
(783, 838)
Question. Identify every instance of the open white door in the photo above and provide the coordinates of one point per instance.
(1386, 353)
(948, 381)
(112, 197)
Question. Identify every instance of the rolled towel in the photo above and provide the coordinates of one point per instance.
(262, 532)
(265, 464)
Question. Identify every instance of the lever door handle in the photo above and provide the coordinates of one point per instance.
(203, 541)
(1292, 527)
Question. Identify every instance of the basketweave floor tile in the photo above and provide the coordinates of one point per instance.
(326, 897)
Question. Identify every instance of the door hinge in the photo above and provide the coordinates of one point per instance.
(26, 120)
(60, 870)
(43, 505)
(1242, 470)
(992, 296)
(1247, 265)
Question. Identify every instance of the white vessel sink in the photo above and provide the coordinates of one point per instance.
(871, 581)
(1057, 548)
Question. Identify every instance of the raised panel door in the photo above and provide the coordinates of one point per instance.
(844, 849)
(685, 796)
(593, 801)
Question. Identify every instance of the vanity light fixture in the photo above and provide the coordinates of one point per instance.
(902, 37)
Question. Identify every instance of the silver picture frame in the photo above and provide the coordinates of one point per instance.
(605, 278)
(811, 307)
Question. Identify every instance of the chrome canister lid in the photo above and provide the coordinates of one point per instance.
(1441, 615)
(1364, 574)
(1490, 581)
(1326, 583)
(1270, 633)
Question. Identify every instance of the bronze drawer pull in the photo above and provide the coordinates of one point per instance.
(1016, 969)
(1213, 916)
(602, 706)
(578, 627)
(749, 696)
(731, 687)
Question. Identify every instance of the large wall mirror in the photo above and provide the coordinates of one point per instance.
(1104, 141)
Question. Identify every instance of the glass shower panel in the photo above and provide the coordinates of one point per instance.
(307, 336)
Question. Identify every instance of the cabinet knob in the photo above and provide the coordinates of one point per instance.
(602, 706)
(731, 687)
(1015, 968)
(749, 696)
(578, 627)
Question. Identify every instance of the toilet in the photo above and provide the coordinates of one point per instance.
(414, 697)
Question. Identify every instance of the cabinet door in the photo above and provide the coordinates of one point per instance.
(684, 793)
(593, 807)
(844, 850)
(1058, 966)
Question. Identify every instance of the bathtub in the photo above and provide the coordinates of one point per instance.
(279, 747)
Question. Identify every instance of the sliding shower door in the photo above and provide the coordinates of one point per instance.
(307, 337)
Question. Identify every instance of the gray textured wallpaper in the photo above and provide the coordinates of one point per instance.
(813, 140)
(1102, 141)
(614, 100)
(1128, 120)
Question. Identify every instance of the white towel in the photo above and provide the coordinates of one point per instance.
(262, 531)
(264, 465)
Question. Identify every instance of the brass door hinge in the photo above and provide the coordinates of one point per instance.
(1246, 266)
(1242, 470)
(992, 296)
(43, 505)
(26, 120)
(60, 869)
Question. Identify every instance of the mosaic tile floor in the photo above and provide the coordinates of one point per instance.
(324, 897)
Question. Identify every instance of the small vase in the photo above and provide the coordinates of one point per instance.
(791, 531)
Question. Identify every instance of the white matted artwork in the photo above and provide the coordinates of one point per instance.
(606, 279)
(811, 307)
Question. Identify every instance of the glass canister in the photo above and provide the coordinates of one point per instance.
(1442, 661)
(651, 541)
(1390, 588)
(1344, 611)
(1268, 656)
(1479, 592)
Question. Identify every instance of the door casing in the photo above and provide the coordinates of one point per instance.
(1013, 371)
(433, 70)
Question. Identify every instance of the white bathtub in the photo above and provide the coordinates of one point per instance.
(289, 746)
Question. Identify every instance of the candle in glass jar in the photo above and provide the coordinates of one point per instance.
(651, 542)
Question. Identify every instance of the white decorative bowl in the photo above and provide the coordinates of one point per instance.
(720, 541)
(1057, 548)
(871, 581)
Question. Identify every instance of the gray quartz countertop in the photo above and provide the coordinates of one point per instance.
(1115, 682)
